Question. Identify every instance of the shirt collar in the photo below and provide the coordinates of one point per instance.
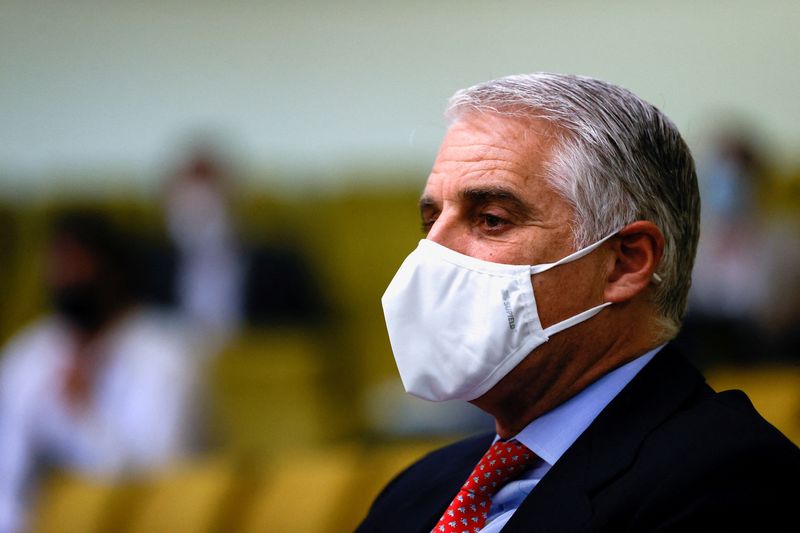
(550, 435)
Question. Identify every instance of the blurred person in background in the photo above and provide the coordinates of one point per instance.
(209, 270)
(102, 385)
(561, 219)
(209, 274)
(745, 298)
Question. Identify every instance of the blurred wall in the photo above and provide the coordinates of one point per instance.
(99, 93)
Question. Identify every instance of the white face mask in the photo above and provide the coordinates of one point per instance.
(458, 325)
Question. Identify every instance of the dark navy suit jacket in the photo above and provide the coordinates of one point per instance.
(667, 454)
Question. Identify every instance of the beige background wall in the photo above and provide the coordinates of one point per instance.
(103, 92)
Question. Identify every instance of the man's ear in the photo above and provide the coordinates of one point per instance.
(637, 253)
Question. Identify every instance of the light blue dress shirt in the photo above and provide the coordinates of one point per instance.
(550, 435)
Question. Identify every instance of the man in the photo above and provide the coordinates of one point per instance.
(101, 386)
(562, 220)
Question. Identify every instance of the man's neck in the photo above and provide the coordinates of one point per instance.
(544, 381)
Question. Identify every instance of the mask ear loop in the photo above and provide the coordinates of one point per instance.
(538, 269)
(585, 315)
(573, 320)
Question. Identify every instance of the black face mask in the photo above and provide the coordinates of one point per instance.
(82, 305)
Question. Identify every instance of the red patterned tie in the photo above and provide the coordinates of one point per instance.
(504, 462)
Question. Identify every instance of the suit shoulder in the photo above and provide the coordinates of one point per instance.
(720, 454)
(723, 425)
(714, 461)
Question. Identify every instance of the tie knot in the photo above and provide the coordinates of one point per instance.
(503, 462)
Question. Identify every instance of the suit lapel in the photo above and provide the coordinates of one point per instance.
(561, 501)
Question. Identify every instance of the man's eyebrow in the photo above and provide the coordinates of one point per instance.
(426, 203)
(497, 194)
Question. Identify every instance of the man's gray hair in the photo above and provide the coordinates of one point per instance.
(618, 159)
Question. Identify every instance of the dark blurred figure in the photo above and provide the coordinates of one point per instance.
(102, 385)
(209, 274)
(745, 293)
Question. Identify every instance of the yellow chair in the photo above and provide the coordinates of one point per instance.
(302, 492)
(69, 503)
(188, 499)
(265, 389)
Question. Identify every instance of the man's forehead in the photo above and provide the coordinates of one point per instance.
(486, 178)
(487, 138)
(513, 127)
(486, 156)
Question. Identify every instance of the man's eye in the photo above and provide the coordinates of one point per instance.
(492, 221)
(426, 225)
